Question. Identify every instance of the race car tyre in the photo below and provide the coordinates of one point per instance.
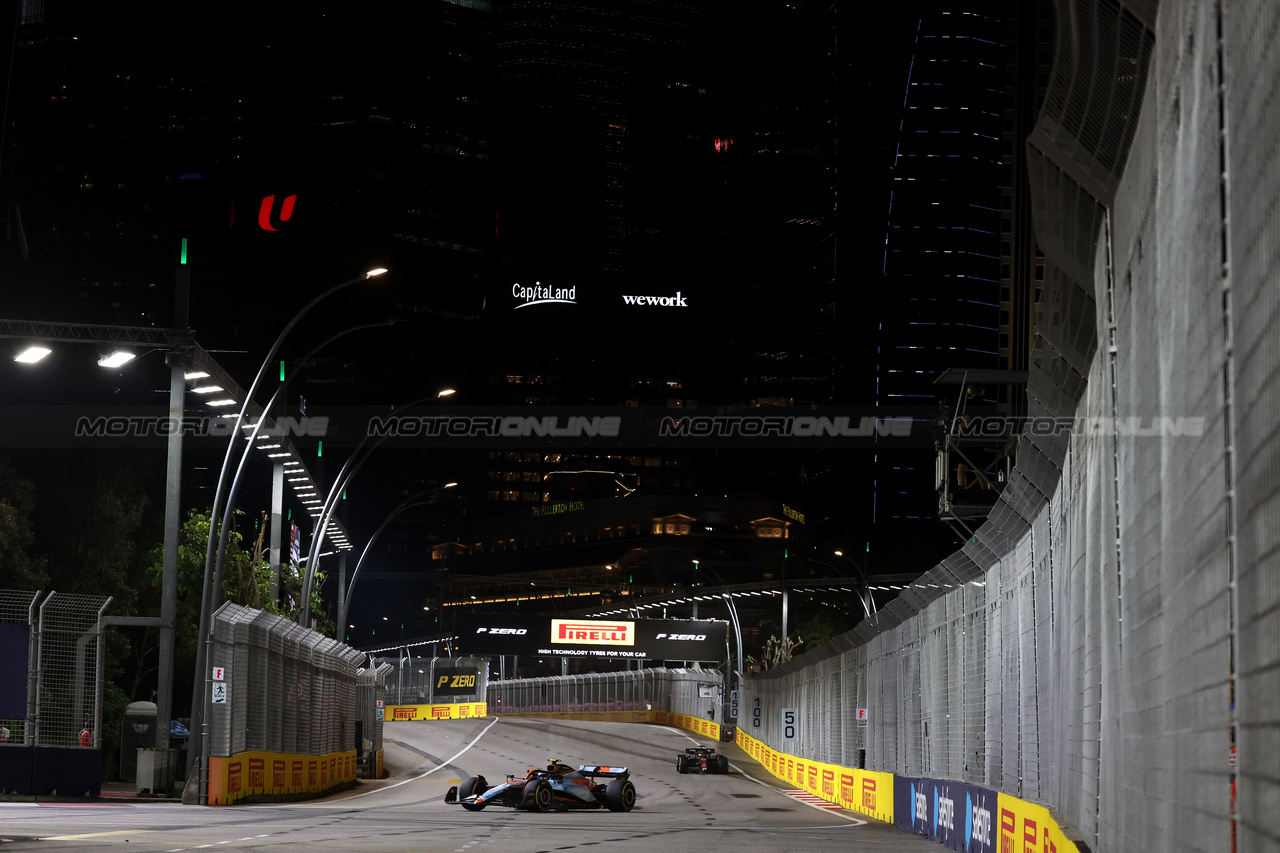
(620, 795)
(722, 763)
(538, 796)
(472, 785)
(682, 764)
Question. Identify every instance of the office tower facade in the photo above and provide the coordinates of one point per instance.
(938, 307)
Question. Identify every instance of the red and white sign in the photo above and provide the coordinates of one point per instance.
(862, 715)
(593, 633)
(219, 674)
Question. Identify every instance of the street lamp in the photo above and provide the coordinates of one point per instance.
(32, 354)
(865, 584)
(208, 595)
(736, 674)
(224, 534)
(116, 359)
(344, 597)
(348, 471)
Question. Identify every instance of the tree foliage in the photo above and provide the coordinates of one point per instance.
(20, 567)
(778, 651)
(246, 576)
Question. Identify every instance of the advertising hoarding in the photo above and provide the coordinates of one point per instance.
(645, 639)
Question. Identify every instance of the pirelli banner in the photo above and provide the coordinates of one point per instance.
(697, 725)
(275, 775)
(407, 713)
(647, 639)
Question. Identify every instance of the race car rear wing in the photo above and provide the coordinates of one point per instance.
(606, 772)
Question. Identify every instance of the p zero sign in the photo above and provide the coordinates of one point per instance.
(454, 682)
(648, 639)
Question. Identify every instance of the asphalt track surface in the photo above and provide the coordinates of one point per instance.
(747, 811)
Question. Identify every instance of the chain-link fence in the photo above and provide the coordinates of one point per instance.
(1106, 643)
(418, 680)
(69, 650)
(287, 689)
(17, 670)
(371, 698)
(680, 691)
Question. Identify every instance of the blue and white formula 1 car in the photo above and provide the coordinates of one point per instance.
(558, 788)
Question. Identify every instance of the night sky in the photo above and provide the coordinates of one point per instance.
(569, 143)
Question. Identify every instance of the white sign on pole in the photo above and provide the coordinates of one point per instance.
(862, 715)
(790, 723)
(219, 674)
(219, 693)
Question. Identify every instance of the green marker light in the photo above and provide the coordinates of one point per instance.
(319, 449)
(282, 370)
(184, 251)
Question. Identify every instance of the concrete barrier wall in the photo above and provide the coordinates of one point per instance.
(282, 715)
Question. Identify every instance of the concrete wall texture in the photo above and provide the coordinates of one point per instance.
(1108, 644)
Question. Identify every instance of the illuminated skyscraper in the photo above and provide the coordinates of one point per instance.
(958, 259)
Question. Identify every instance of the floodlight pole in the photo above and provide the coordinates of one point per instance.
(176, 358)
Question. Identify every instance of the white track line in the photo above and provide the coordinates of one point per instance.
(329, 804)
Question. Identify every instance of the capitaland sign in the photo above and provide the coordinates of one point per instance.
(539, 294)
(676, 301)
(592, 633)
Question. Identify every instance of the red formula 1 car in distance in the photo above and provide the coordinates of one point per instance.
(701, 759)
(558, 788)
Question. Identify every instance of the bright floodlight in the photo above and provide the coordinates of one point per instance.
(226, 401)
(199, 374)
(31, 354)
(116, 359)
(372, 273)
(446, 392)
(448, 485)
(206, 389)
